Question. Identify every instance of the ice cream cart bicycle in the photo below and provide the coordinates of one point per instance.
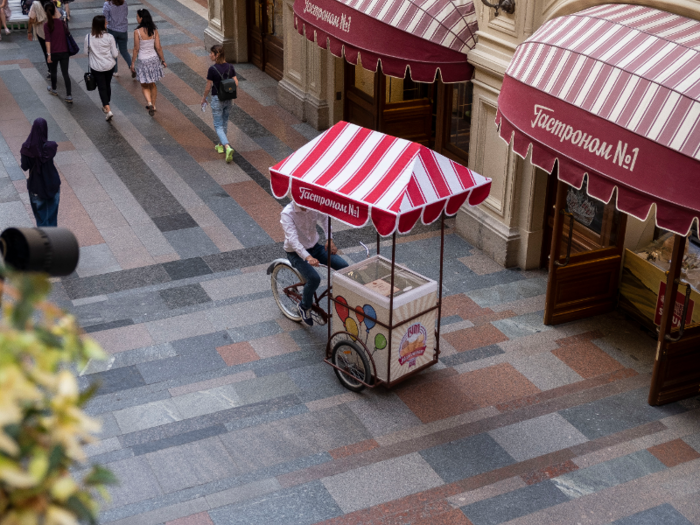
(355, 175)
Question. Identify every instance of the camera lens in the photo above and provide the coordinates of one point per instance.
(50, 250)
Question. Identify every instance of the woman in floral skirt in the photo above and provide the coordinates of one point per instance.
(148, 61)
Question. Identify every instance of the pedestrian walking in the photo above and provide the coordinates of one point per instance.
(35, 29)
(55, 31)
(5, 14)
(116, 12)
(66, 6)
(44, 183)
(102, 50)
(220, 109)
(150, 64)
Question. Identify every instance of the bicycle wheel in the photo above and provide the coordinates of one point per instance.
(350, 358)
(282, 277)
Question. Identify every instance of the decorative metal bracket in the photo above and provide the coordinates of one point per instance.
(506, 5)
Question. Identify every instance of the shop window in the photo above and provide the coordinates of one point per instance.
(458, 117)
(595, 223)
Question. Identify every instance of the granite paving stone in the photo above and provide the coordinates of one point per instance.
(537, 437)
(665, 514)
(302, 505)
(146, 416)
(197, 463)
(608, 474)
(184, 296)
(514, 504)
(616, 413)
(381, 482)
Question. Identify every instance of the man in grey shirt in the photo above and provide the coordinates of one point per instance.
(304, 251)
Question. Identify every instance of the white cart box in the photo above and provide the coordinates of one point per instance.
(364, 287)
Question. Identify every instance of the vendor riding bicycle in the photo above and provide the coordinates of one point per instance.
(301, 242)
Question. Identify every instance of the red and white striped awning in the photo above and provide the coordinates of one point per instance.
(354, 174)
(612, 92)
(423, 35)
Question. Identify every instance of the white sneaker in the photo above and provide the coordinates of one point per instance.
(115, 75)
(7, 31)
(109, 116)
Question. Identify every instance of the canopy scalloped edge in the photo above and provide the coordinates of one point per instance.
(424, 72)
(599, 187)
(385, 222)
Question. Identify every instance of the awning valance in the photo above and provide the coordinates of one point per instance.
(423, 35)
(355, 174)
(612, 92)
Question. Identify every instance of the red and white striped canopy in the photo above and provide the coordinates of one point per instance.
(424, 35)
(613, 92)
(354, 174)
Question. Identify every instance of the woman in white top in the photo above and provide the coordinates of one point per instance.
(35, 28)
(103, 58)
(149, 69)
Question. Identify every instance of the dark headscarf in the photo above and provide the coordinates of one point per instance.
(37, 144)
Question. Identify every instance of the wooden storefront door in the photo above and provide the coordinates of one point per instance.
(585, 256)
(265, 44)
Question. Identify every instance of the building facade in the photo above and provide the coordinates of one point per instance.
(457, 120)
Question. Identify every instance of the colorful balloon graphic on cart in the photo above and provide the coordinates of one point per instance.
(365, 315)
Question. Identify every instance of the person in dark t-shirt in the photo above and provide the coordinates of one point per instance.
(220, 109)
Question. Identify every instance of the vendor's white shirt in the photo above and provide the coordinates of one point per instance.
(299, 227)
(103, 52)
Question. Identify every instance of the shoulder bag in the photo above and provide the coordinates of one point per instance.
(90, 82)
(227, 87)
(73, 48)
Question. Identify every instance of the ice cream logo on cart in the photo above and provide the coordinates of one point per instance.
(412, 344)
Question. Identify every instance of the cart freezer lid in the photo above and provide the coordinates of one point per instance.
(355, 174)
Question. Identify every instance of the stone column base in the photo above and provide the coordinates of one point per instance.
(213, 37)
(303, 106)
(491, 236)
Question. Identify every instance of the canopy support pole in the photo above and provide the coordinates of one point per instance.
(391, 303)
(378, 242)
(674, 273)
(330, 295)
(439, 305)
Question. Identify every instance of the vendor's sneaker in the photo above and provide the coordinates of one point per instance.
(306, 316)
(219, 148)
(229, 154)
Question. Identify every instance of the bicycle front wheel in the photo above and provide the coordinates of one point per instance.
(283, 277)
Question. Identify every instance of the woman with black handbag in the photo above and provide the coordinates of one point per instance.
(101, 49)
(57, 51)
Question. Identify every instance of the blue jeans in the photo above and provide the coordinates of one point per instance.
(45, 211)
(313, 280)
(122, 40)
(219, 112)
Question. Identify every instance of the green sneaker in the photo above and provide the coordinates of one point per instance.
(219, 148)
(229, 154)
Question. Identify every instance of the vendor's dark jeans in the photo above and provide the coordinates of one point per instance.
(313, 280)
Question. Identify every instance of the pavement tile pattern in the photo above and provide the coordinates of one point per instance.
(217, 410)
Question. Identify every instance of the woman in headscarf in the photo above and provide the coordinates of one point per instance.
(44, 183)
